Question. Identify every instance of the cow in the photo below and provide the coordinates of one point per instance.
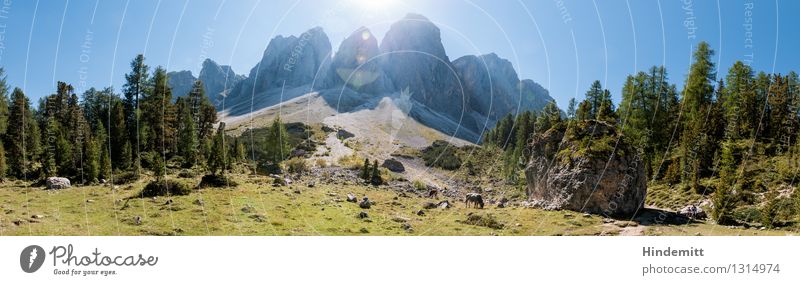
(474, 199)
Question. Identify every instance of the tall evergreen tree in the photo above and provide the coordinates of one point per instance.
(136, 86)
(277, 142)
(216, 159)
(3, 102)
(159, 114)
(22, 138)
(188, 145)
(697, 97)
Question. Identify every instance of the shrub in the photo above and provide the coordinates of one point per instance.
(352, 162)
(126, 178)
(441, 154)
(487, 220)
(747, 214)
(776, 211)
(165, 188)
(186, 173)
(296, 165)
(216, 181)
(321, 163)
(419, 185)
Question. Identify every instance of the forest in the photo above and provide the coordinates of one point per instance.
(732, 141)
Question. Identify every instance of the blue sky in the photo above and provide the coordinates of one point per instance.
(563, 45)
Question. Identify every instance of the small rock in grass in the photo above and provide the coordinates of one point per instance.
(365, 203)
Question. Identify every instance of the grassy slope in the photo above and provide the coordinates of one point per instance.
(256, 208)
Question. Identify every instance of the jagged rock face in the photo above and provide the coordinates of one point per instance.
(181, 82)
(293, 60)
(534, 96)
(218, 80)
(493, 88)
(357, 64)
(578, 168)
(415, 58)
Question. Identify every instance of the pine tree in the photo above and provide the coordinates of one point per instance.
(22, 138)
(136, 86)
(158, 114)
(120, 158)
(216, 159)
(376, 178)
(91, 163)
(571, 108)
(697, 94)
(188, 144)
(365, 170)
(594, 97)
(550, 116)
(104, 162)
(3, 103)
(3, 166)
(724, 196)
(277, 142)
(584, 111)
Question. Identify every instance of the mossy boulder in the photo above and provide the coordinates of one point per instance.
(586, 166)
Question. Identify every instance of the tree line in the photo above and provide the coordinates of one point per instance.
(102, 133)
(701, 139)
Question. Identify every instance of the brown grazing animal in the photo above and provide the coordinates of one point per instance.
(434, 193)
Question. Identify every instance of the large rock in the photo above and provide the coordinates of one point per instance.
(393, 165)
(57, 183)
(580, 169)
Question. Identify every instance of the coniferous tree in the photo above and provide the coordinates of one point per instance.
(571, 108)
(104, 160)
(3, 166)
(724, 196)
(22, 137)
(549, 117)
(119, 138)
(135, 89)
(697, 94)
(216, 159)
(158, 114)
(365, 170)
(188, 144)
(91, 164)
(277, 142)
(3, 103)
(376, 178)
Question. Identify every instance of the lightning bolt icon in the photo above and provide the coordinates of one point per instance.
(34, 254)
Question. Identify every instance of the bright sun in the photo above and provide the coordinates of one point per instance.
(374, 5)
